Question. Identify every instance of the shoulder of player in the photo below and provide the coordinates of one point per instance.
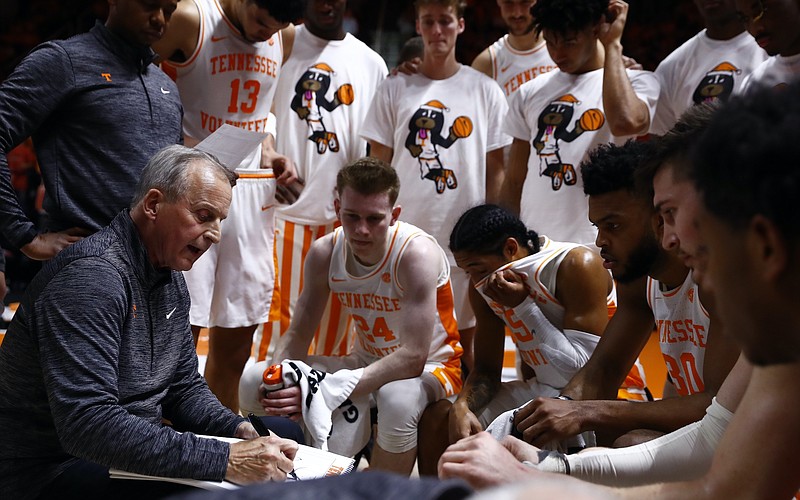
(579, 267)
(322, 249)
(483, 63)
(422, 258)
(184, 31)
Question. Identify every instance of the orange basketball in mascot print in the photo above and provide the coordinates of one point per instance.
(592, 119)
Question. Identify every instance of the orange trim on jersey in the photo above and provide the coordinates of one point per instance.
(525, 52)
(256, 175)
(493, 62)
(199, 45)
(399, 257)
(445, 309)
(228, 21)
(169, 69)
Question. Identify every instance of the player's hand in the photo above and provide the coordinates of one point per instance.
(507, 288)
(547, 420)
(283, 167)
(45, 246)
(462, 422)
(613, 23)
(261, 459)
(410, 67)
(482, 461)
(286, 402)
(631, 63)
(288, 194)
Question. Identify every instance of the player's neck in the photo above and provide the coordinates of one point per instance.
(669, 270)
(231, 10)
(597, 61)
(724, 30)
(439, 67)
(337, 33)
(526, 42)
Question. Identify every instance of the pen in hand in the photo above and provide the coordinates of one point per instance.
(262, 430)
(259, 426)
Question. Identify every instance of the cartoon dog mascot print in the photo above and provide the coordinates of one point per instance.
(553, 123)
(425, 137)
(310, 99)
(717, 85)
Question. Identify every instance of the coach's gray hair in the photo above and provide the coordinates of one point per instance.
(169, 172)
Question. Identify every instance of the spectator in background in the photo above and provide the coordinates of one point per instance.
(90, 159)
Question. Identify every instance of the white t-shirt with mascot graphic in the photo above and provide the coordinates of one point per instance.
(701, 70)
(561, 116)
(440, 132)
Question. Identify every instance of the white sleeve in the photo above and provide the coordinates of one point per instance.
(496, 137)
(647, 89)
(515, 124)
(563, 354)
(680, 455)
(379, 123)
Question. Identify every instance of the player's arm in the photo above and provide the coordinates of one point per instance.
(483, 63)
(495, 172)
(313, 298)
(625, 112)
(583, 285)
(417, 272)
(511, 190)
(181, 38)
(623, 339)
(381, 151)
(484, 379)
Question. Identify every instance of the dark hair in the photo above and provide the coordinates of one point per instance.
(747, 162)
(284, 11)
(566, 16)
(612, 168)
(484, 230)
(367, 176)
(458, 5)
(676, 145)
(414, 47)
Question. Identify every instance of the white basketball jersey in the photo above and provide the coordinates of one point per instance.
(540, 271)
(682, 324)
(511, 67)
(374, 298)
(227, 79)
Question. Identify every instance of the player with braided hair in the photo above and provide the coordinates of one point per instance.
(554, 297)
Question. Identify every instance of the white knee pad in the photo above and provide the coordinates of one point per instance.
(400, 405)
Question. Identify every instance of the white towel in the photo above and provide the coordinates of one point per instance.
(335, 421)
(503, 426)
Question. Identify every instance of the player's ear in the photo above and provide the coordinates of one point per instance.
(461, 25)
(395, 214)
(152, 202)
(337, 205)
(510, 248)
(768, 247)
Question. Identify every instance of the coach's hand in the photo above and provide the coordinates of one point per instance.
(47, 245)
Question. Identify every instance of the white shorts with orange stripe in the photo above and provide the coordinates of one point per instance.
(231, 284)
(335, 334)
(400, 403)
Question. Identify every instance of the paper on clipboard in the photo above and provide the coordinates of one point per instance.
(231, 145)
